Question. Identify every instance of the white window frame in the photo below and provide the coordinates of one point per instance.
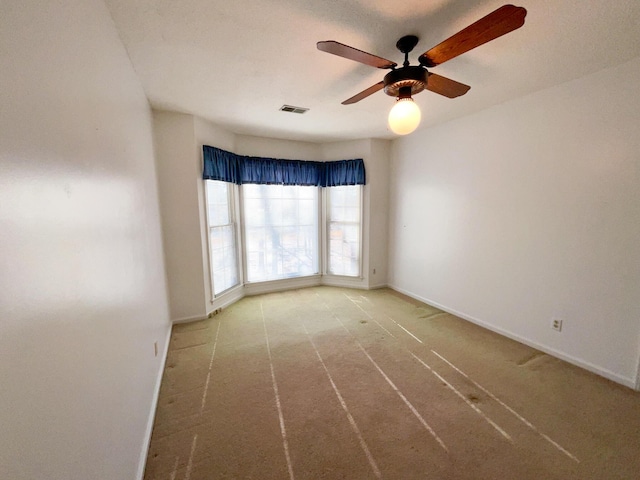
(236, 217)
(326, 221)
(243, 226)
(233, 221)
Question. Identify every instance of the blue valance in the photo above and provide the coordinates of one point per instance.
(220, 165)
(229, 167)
(343, 172)
(280, 172)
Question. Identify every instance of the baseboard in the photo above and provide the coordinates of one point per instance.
(227, 299)
(281, 285)
(152, 414)
(195, 318)
(349, 282)
(603, 372)
(345, 282)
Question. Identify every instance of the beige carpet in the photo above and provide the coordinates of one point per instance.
(329, 383)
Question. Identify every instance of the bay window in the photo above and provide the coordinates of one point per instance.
(279, 217)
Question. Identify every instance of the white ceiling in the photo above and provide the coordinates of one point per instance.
(235, 62)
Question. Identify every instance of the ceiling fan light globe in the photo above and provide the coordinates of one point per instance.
(404, 116)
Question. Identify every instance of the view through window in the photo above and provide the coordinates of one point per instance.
(281, 231)
(343, 230)
(222, 237)
(280, 226)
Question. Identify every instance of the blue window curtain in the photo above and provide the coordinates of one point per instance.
(229, 167)
(220, 165)
(271, 171)
(343, 172)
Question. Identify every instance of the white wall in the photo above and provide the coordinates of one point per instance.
(530, 211)
(82, 282)
(276, 148)
(179, 183)
(378, 180)
(179, 139)
(375, 154)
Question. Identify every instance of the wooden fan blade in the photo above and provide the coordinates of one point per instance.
(499, 22)
(351, 53)
(445, 86)
(364, 93)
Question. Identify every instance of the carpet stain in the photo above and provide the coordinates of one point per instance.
(430, 316)
(473, 398)
(529, 359)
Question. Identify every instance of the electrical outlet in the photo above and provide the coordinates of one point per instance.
(556, 324)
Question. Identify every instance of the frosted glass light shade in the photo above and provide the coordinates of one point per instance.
(404, 116)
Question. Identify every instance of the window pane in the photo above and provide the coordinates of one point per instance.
(222, 238)
(281, 231)
(344, 230)
(218, 202)
(223, 258)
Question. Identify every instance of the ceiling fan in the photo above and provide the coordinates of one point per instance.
(407, 80)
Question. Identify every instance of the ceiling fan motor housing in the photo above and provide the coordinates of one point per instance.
(410, 76)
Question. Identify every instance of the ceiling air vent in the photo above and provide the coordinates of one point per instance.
(292, 109)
